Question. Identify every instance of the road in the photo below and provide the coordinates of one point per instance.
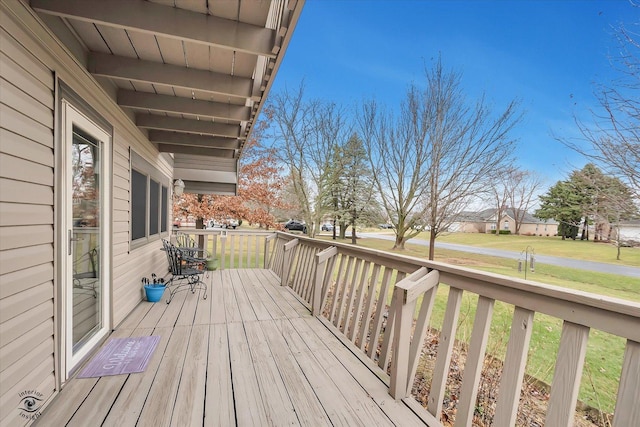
(600, 267)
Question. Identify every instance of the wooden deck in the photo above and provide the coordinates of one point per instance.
(250, 354)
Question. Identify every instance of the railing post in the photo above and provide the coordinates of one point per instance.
(401, 337)
(401, 313)
(267, 244)
(287, 259)
(320, 276)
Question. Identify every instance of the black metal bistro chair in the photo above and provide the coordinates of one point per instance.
(186, 272)
(189, 246)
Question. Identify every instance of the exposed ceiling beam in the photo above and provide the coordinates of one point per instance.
(151, 121)
(119, 67)
(205, 175)
(174, 104)
(206, 141)
(148, 17)
(184, 149)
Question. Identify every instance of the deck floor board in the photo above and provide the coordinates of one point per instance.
(250, 354)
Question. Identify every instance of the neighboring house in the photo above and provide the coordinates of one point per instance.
(629, 232)
(102, 107)
(485, 221)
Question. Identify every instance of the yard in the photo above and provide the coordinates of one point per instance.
(553, 246)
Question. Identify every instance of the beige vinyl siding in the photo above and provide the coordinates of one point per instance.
(26, 228)
(129, 265)
(29, 58)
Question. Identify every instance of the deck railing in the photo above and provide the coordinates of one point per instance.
(348, 288)
(232, 248)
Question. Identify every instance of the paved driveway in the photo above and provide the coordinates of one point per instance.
(600, 267)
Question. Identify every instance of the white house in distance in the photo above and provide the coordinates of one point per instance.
(485, 221)
(629, 232)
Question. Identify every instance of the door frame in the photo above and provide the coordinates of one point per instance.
(70, 114)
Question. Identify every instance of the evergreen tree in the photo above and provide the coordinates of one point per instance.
(564, 204)
(358, 183)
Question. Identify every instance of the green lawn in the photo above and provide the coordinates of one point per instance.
(553, 246)
(604, 353)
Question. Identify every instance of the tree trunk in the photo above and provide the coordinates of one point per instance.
(353, 235)
(432, 244)
(343, 229)
(399, 243)
(585, 230)
(200, 226)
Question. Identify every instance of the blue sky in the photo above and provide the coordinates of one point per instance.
(548, 54)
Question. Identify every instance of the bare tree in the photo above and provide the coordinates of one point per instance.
(523, 187)
(305, 134)
(499, 195)
(612, 138)
(436, 154)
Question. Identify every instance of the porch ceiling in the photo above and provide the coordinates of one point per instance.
(195, 73)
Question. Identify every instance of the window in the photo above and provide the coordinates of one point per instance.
(149, 201)
(138, 205)
(164, 209)
(506, 224)
(154, 206)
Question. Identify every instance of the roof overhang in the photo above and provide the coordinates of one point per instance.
(194, 75)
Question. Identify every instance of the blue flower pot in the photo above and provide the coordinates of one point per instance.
(154, 292)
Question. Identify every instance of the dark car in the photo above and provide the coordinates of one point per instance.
(293, 225)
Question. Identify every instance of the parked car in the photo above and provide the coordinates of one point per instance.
(385, 226)
(327, 226)
(295, 225)
(227, 223)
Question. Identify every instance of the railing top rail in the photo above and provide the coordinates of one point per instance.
(217, 232)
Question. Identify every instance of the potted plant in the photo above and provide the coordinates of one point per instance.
(154, 289)
(212, 264)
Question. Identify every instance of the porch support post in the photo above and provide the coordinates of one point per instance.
(267, 244)
(287, 260)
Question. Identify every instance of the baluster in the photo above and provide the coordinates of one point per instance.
(223, 251)
(475, 360)
(359, 300)
(445, 348)
(343, 294)
(567, 375)
(627, 408)
(366, 315)
(380, 309)
(513, 369)
(352, 294)
(337, 290)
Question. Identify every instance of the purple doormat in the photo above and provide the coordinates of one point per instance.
(121, 356)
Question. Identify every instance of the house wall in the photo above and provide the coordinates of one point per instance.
(539, 229)
(31, 59)
(630, 232)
